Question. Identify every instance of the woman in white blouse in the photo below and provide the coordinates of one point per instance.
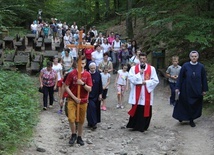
(135, 58)
(105, 46)
(97, 55)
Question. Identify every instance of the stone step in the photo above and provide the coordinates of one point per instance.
(35, 66)
(21, 59)
(50, 53)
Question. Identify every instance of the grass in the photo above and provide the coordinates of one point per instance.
(19, 110)
(209, 97)
(208, 109)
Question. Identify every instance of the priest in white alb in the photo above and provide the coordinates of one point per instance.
(143, 80)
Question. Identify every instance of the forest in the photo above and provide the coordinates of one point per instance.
(181, 24)
(177, 26)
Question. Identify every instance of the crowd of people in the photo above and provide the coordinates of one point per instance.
(54, 29)
(118, 52)
(111, 56)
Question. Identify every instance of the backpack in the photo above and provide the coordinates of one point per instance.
(119, 41)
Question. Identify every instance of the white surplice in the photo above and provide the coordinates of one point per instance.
(138, 79)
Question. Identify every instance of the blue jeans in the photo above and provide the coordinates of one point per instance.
(33, 31)
(172, 97)
(115, 61)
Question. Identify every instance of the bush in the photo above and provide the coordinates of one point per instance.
(19, 109)
(209, 97)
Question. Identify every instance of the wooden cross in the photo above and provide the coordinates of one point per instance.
(79, 47)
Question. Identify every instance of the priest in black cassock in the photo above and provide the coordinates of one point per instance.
(95, 96)
(191, 87)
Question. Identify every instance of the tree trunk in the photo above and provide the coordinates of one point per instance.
(144, 21)
(85, 22)
(90, 10)
(129, 27)
(208, 5)
(107, 2)
(97, 10)
(116, 3)
(135, 21)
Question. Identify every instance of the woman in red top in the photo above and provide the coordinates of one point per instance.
(87, 52)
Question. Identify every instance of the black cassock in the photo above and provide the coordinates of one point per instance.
(93, 110)
(192, 82)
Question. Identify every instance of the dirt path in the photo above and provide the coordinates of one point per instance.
(165, 135)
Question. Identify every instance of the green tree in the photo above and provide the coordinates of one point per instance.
(129, 25)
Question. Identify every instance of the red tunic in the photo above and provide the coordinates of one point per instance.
(71, 81)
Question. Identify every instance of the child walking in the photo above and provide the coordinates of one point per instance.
(105, 82)
(172, 73)
(121, 83)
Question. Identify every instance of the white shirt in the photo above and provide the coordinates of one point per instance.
(67, 40)
(67, 62)
(95, 32)
(97, 57)
(33, 27)
(105, 47)
(116, 45)
(73, 52)
(58, 69)
(74, 27)
(59, 25)
(138, 79)
(63, 54)
(101, 38)
(105, 78)
(65, 26)
(134, 59)
(122, 78)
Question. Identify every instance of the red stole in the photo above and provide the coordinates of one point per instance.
(147, 75)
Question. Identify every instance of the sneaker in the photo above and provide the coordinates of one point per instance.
(121, 106)
(104, 108)
(60, 111)
(50, 106)
(73, 139)
(118, 106)
(80, 141)
(45, 108)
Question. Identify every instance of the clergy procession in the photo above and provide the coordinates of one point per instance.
(80, 80)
